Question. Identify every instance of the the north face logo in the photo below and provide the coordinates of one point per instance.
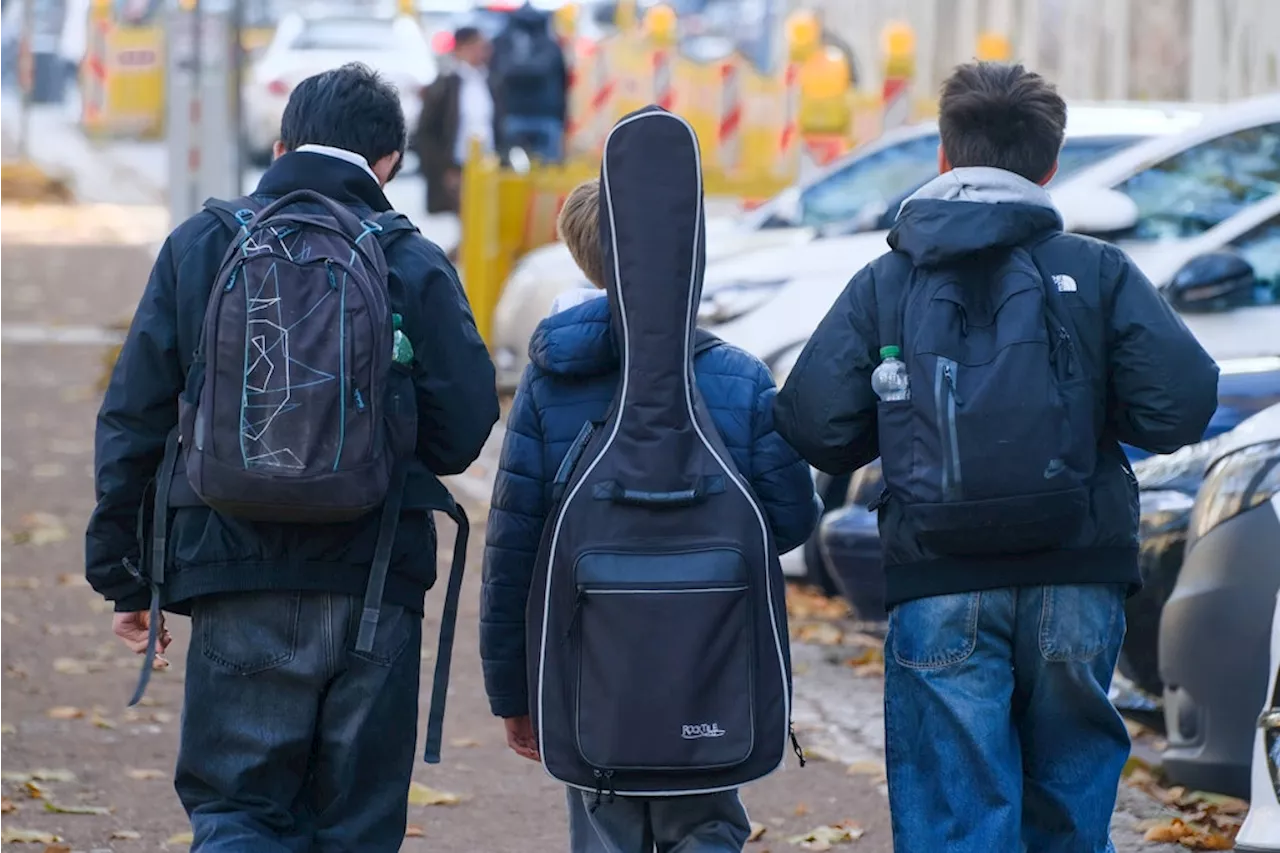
(1065, 283)
(701, 730)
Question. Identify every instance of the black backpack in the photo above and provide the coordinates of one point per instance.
(530, 60)
(993, 452)
(293, 410)
(657, 629)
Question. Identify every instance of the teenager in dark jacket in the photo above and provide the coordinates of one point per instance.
(530, 73)
(290, 738)
(999, 733)
(573, 377)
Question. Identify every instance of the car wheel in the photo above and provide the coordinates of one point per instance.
(833, 491)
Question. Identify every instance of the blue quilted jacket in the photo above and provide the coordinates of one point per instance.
(571, 380)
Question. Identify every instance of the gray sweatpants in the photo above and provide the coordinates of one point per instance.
(708, 823)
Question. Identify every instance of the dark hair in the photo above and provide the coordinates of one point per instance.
(1003, 116)
(464, 36)
(350, 108)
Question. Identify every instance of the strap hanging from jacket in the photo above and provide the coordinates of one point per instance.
(381, 560)
(448, 621)
(153, 565)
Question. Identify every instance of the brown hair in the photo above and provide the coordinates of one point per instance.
(579, 227)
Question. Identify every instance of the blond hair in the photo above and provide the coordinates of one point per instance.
(579, 227)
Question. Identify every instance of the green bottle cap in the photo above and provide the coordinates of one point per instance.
(890, 352)
(396, 320)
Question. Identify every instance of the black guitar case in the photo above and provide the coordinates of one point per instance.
(657, 634)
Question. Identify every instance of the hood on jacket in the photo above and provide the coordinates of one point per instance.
(969, 210)
(528, 18)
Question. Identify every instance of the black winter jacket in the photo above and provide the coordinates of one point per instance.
(1156, 388)
(211, 553)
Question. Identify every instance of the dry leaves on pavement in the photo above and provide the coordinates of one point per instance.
(126, 835)
(13, 835)
(826, 837)
(37, 529)
(181, 838)
(1207, 821)
(56, 808)
(414, 831)
(421, 795)
(1175, 831)
(757, 831)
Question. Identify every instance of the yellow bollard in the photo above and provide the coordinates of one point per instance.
(660, 31)
(479, 250)
(994, 47)
(899, 43)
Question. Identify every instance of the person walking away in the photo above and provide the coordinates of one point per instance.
(530, 71)
(300, 712)
(457, 107)
(995, 364)
(572, 379)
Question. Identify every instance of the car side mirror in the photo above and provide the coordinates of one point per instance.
(1091, 210)
(1214, 281)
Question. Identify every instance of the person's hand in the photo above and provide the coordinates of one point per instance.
(134, 628)
(520, 737)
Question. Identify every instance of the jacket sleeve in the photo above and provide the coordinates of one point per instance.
(780, 478)
(517, 515)
(138, 411)
(827, 410)
(1162, 387)
(456, 390)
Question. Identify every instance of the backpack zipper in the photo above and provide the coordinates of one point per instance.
(945, 401)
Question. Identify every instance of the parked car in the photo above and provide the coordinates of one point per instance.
(1261, 830)
(1164, 201)
(306, 45)
(849, 195)
(1212, 648)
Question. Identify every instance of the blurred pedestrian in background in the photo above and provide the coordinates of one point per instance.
(458, 107)
(529, 70)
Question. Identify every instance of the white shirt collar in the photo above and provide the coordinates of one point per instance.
(340, 154)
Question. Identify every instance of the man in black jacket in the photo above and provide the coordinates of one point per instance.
(291, 739)
(1012, 361)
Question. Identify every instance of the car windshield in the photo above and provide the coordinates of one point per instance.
(882, 181)
(345, 34)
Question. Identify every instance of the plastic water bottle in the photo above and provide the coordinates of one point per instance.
(890, 380)
(401, 349)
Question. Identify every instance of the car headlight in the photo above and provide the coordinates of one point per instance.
(1237, 483)
(731, 301)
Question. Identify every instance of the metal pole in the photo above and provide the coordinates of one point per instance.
(27, 74)
(195, 152)
(237, 92)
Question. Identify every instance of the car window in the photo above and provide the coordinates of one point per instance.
(868, 181)
(1261, 248)
(345, 34)
(1196, 189)
(1078, 153)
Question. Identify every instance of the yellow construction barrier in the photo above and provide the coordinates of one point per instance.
(122, 77)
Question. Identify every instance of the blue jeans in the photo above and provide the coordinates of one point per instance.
(292, 740)
(707, 823)
(540, 137)
(998, 731)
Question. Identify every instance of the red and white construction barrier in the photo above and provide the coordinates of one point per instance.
(729, 138)
(664, 94)
(789, 138)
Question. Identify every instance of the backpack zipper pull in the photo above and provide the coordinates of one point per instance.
(795, 745)
(950, 373)
(359, 399)
(578, 601)
(875, 505)
(1064, 339)
(595, 803)
(613, 793)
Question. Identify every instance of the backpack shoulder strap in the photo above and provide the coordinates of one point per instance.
(891, 288)
(235, 213)
(394, 225)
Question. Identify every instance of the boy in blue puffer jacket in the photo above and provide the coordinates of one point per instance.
(572, 379)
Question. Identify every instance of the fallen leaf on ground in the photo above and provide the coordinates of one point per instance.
(58, 808)
(869, 670)
(804, 602)
(464, 742)
(819, 633)
(181, 838)
(867, 768)
(70, 666)
(801, 810)
(126, 835)
(7, 806)
(100, 721)
(34, 790)
(824, 837)
(757, 831)
(10, 835)
(72, 579)
(41, 775)
(871, 654)
(414, 831)
(64, 712)
(7, 729)
(421, 795)
(1220, 803)
(20, 583)
(145, 774)
(39, 528)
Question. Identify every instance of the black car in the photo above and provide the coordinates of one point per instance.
(1214, 627)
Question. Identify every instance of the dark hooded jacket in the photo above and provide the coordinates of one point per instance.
(571, 381)
(541, 89)
(210, 553)
(1154, 386)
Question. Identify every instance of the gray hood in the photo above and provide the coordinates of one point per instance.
(984, 185)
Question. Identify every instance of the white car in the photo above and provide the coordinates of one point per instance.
(1261, 830)
(851, 194)
(302, 46)
(1164, 201)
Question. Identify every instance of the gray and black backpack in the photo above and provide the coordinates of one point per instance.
(294, 410)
